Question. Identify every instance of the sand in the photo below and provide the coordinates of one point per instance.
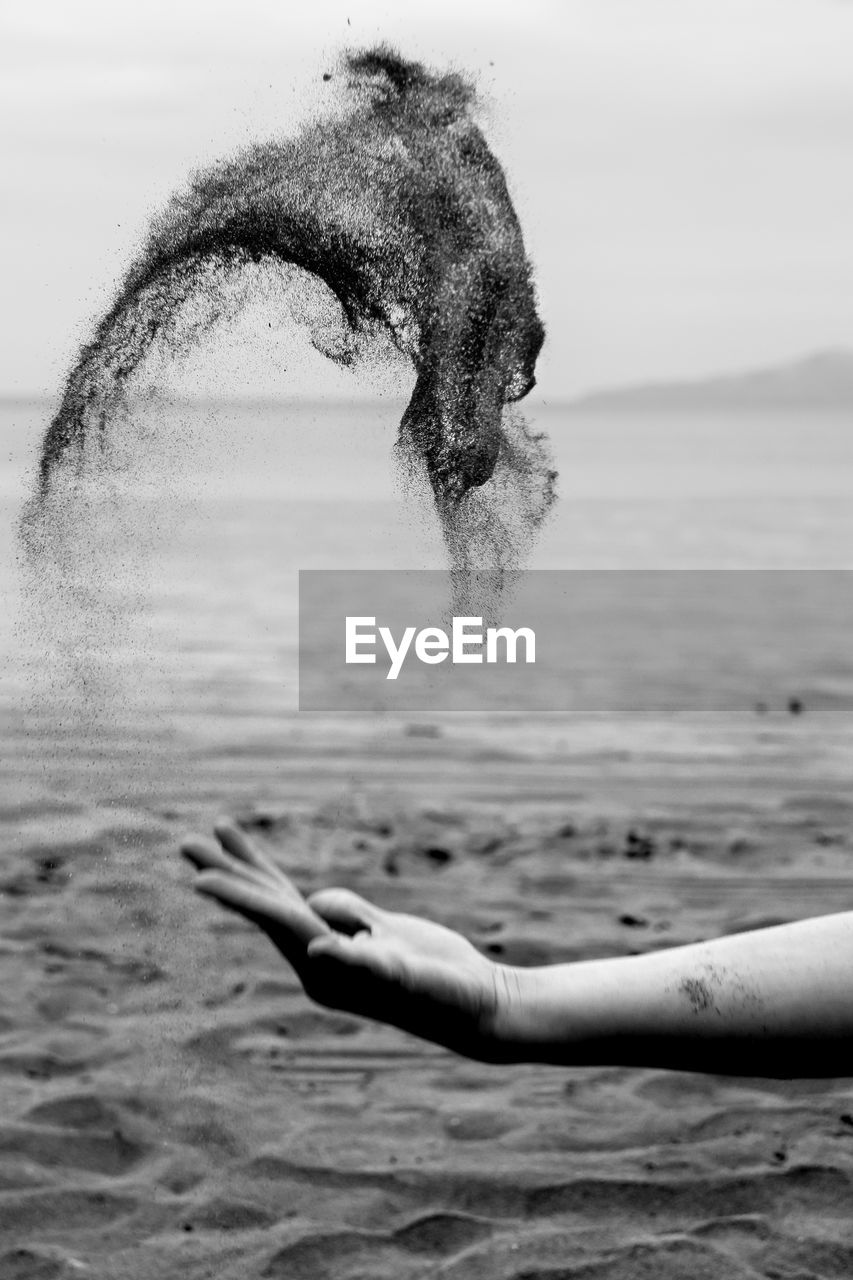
(174, 1107)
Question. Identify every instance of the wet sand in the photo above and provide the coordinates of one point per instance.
(174, 1107)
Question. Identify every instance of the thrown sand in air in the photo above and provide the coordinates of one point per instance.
(398, 208)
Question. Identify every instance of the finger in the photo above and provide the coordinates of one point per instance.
(207, 855)
(238, 844)
(288, 923)
(345, 910)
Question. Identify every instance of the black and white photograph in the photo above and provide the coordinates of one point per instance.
(426, 642)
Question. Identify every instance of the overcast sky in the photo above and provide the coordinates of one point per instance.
(683, 169)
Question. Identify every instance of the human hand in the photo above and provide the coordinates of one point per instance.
(351, 955)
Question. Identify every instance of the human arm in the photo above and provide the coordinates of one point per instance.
(771, 1002)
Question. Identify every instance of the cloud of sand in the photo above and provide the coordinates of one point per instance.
(396, 205)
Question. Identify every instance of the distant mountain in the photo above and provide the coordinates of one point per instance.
(823, 380)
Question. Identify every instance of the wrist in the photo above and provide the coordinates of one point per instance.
(510, 1033)
(563, 1013)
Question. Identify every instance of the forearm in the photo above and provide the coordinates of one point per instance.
(776, 1002)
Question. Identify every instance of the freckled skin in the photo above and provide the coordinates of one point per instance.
(698, 994)
(400, 208)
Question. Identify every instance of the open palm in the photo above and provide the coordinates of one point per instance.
(351, 955)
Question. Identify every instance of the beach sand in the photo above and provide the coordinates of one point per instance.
(174, 1107)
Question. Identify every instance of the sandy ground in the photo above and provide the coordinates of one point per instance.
(173, 1106)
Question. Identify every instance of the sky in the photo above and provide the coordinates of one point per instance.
(681, 168)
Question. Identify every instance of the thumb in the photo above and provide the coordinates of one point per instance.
(345, 911)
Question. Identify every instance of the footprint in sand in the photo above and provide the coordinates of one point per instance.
(335, 1255)
(76, 1132)
(442, 1233)
(229, 1215)
(26, 1264)
(57, 1213)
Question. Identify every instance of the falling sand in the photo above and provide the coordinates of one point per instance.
(396, 209)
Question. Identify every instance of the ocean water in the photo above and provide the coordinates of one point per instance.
(179, 634)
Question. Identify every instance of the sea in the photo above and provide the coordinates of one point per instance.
(168, 630)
